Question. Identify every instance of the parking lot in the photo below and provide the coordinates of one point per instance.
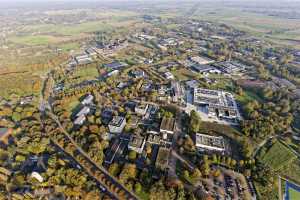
(229, 185)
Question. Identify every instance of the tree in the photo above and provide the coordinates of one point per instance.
(196, 174)
(195, 121)
(137, 187)
(132, 155)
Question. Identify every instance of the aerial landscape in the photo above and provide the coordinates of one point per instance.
(150, 100)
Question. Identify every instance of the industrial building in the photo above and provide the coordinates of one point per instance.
(218, 103)
(210, 143)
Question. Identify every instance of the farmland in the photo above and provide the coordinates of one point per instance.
(278, 156)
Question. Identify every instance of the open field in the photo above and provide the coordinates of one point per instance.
(278, 156)
(293, 194)
(49, 33)
(279, 30)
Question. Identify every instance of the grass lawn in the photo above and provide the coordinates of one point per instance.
(278, 156)
(33, 39)
(293, 194)
(292, 170)
(184, 74)
(69, 46)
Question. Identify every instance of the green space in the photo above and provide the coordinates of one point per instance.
(50, 33)
(184, 74)
(292, 170)
(248, 96)
(294, 194)
(278, 30)
(69, 46)
(33, 39)
(278, 156)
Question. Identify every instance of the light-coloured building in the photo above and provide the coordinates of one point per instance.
(84, 111)
(210, 143)
(167, 127)
(88, 100)
(80, 120)
(169, 75)
(219, 104)
(117, 124)
(141, 109)
(201, 60)
(136, 143)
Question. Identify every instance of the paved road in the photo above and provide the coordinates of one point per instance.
(45, 104)
(128, 193)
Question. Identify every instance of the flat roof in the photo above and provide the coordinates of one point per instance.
(167, 124)
(214, 98)
(162, 157)
(116, 121)
(203, 141)
(136, 141)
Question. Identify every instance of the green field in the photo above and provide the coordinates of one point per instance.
(33, 39)
(278, 156)
(293, 194)
(44, 34)
(276, 29)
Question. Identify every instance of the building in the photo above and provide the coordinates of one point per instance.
(5, 133)
(83, 59)
(191, 84)
(37, 176)
(177, 92)
(169, 75)
(138, 73)
(210, 143)
(115, 65)
(112, 73)
(167, 127)
(203, 68)
(141, 109)
(230, 67)
(91, 51)
(116, 150)
(117, 124)
(80, 120)
(136, 143)
(88, 100)
(201, 60)
(218, 103)
(162, 159)
(84, 111)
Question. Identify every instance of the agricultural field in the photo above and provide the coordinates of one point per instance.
(275, 29)
(278, 156)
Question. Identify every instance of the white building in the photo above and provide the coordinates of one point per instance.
(219, 103)
(169, 75)
(141, 109)
(201, 60)
(210, 143)
(80, 120)
(117, 124)
(136, 143)
(88, 100)
(84, 111)
(37, 176)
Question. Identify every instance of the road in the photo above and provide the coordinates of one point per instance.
(128, 193)
(45, 108)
